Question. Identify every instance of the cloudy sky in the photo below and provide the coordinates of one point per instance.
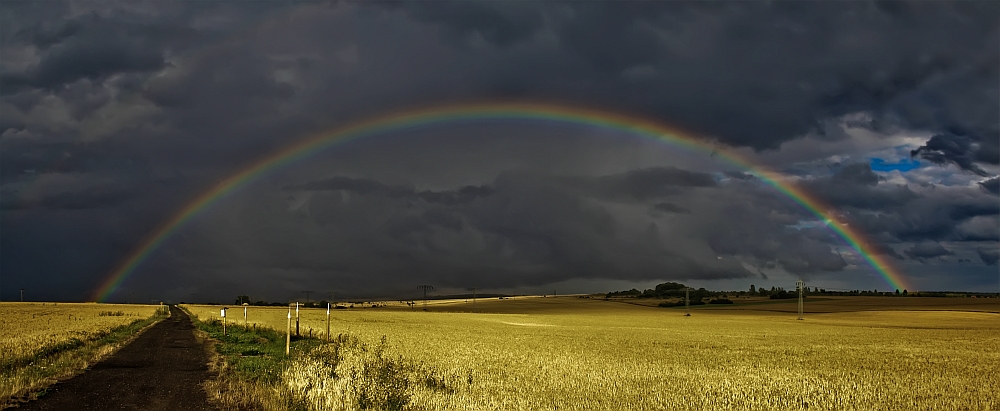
(113, 116)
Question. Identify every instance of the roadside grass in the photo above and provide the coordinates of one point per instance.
(345, 373)
(26, 377)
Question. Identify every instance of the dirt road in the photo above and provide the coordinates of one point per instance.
(162, 369)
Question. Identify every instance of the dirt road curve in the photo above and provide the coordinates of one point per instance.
(162, 369)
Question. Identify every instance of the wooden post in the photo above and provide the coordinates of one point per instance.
(327, 322)
(288, 334)
(296, 319)
(223, 321)
(244, 316)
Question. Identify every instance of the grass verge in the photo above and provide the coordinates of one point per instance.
(27, 378)
(346, 373)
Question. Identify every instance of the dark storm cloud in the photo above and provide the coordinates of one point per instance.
(896, 213)
(855, 185)
(647, 183)
(356, 185)
(501, 26)
(24, 159)
(884, 249)
(860, 174)
(520, 229)
(989, 255)
(549, 223)
(924, 67)
(670, 208)
(738, 175)
(956, 149)
(88, 47)
(991, 185)
(91, 197)
(762, 238)
(123, 95)
(926, 250)
(366, 186)
(463, 195)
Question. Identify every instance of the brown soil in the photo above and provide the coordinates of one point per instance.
(162, 369)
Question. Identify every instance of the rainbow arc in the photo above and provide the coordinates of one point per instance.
(492, 111)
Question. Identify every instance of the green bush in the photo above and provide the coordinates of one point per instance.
(111, 314)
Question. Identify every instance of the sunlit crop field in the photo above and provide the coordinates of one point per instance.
(571, 353)
(31, 331)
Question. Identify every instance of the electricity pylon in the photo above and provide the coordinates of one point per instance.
(800, 285)
(473, 297)
(687, 301)
(425, 287)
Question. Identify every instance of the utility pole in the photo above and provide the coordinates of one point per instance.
(307, 296)
(425, 287)
(473, 298)
(800, 284)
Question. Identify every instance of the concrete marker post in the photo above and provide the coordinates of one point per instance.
(288, 333)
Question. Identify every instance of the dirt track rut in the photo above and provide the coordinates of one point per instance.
(162, 369)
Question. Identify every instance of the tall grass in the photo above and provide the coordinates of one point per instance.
(346, 373)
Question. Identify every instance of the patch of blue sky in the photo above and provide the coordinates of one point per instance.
(904, 165)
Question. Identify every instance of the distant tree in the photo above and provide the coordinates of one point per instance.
(753, 290)
(242, 299)
(667, 286)
(904, 292)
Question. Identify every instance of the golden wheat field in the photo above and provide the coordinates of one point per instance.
(31, 333)
(576, 353)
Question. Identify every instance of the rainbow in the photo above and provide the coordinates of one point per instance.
(492, 111)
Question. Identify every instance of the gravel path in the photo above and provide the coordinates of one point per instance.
(162, 369)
